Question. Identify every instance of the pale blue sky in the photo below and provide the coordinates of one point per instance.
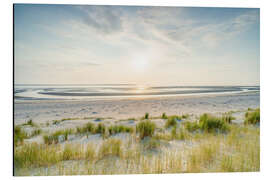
(65, 44)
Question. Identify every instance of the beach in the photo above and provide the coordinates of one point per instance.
(108, 130)
(115, 109)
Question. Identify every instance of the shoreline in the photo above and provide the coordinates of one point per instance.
(42, 111)
(123, 98)
(105, 93)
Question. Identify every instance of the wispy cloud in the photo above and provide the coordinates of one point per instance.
(93, 37)
(105, 19)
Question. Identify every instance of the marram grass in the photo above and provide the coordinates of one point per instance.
(252, 117)
(237, 150)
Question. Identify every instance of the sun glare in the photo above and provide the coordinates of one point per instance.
(140, 89)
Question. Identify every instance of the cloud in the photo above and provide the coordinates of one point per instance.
(105, 19)
(96, 32)
(176, 27)
(94, 39)
(166, 33)
(243, 21)
(155, 26)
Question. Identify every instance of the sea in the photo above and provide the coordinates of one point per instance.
(25, 92)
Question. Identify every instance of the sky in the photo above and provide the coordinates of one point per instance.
(84, 44)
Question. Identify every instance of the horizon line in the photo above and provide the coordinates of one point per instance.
(120, 84)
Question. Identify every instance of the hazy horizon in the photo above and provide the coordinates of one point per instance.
(121, 84)
(83, 45)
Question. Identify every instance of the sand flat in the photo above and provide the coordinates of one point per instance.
(42, 111)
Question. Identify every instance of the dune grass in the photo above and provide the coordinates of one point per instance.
(101, 129)
(179, 134)
(164, 116)
(87, 128)
(145, 129)
(56, 122)
(30, 122)
(146, 116)
(219, 154)
(252, 116)
(42, 155)
(90, 152)
(176, 133)
(183, 116)
(237, 151)
(210, 123)
(202, 157)
(110, 147)
(36, 132)
(191, 126)
(19, 135)
(35, 155)
(115, 129)
(72, 152)
(55, 137)
(69, 119)
(227, 117)
(210, 149)
(151, 144)
(171, 121)
(91, 128)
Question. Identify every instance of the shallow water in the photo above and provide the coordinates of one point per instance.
(111, 91)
